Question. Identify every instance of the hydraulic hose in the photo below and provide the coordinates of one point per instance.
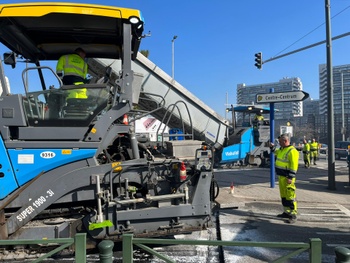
(214, 189)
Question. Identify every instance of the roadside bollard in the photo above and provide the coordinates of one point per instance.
(342, 255)
(106, 251)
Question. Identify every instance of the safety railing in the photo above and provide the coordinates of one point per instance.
(314, 247)
(79, 242)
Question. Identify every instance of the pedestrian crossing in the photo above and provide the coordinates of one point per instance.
(325, 213)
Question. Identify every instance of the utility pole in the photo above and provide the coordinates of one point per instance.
(330, 111)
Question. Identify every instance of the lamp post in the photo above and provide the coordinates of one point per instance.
(233, 115)
(173, 56)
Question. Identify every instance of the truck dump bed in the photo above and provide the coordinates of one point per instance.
(169, 101)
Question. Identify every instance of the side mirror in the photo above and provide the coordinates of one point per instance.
(10, 59)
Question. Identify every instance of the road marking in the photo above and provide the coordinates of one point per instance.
(338, 245)
(333, 233)
(320, 208)
(326, 213)
(343, 209)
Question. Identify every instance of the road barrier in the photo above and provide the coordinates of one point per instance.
(314, 247)
(79, 242)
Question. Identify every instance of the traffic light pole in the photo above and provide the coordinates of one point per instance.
(330, 111)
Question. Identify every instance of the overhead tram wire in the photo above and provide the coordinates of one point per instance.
(307, 34)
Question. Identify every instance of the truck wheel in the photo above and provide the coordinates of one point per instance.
(256, 161)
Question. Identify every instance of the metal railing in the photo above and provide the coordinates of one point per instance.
(314, 247)
(79, 242)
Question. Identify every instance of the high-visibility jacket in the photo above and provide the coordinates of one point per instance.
(71, 65)
(314, 149)
(287, 160)
(314, 146)
(259, 118)
(306, 148)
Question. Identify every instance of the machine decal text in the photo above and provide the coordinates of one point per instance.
(25, 213)
(232, 153)
(36, 204)
(47, 155)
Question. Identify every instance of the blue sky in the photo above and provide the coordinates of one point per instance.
(217, 41)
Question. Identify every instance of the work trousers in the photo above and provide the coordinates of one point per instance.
(314, 155)
(306, 159)
(288, 195)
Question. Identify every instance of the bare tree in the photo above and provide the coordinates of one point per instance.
(145, 53)
(304, 132)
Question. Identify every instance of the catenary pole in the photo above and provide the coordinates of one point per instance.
(330, 113)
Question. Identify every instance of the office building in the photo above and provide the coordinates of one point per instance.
(309, 126)
(286, 110)
(341, 99)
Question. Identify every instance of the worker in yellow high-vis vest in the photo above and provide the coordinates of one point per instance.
(72, 69)
(306, 154)
(314, 150)
(286, 165)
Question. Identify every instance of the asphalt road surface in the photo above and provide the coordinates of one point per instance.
(323, 214)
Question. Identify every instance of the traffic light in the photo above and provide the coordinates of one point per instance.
(258, 60)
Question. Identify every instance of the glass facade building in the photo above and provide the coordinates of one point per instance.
(286, 110)
(341, 100)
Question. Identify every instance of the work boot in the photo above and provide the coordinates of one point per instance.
(292, 219)
(284, 215)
